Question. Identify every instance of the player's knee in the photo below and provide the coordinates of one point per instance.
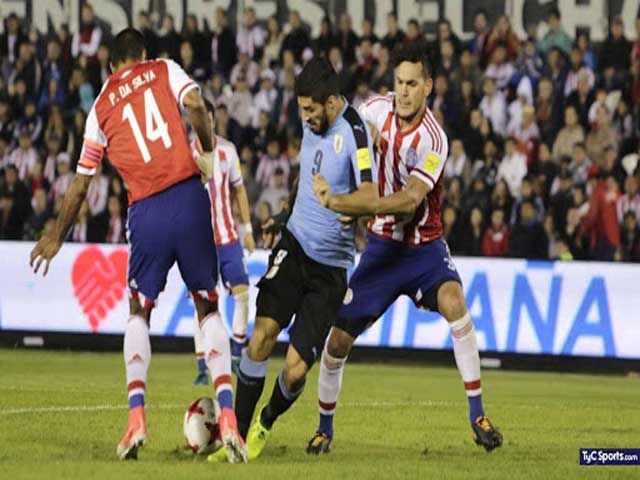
(339, 343)
(295, 374)
(451, 301)
(261, 345)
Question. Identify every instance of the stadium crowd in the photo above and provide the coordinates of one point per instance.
(543, 131)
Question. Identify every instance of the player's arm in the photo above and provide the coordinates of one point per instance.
(50, 244)
(404, 201)
(358, 203)
(240, 194)
(197, 112)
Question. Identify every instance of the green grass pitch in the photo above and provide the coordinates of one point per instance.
(62, 414)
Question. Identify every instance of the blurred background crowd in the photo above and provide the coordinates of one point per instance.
(543, 130)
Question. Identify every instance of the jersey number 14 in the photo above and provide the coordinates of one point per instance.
(155, 125)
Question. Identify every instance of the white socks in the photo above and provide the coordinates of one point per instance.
(240, 316)
(137, 357)
(217, 355)
(465, 350)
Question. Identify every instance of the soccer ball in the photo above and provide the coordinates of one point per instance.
(201, 426)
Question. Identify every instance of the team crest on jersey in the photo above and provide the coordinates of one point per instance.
(411, 158)
(338, 141)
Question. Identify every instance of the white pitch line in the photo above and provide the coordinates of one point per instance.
(170, 406)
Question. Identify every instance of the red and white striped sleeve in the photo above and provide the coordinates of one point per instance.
(235, 175)
(432, 151)
(179, 81)
(93, 146)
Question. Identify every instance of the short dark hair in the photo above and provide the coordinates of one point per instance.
(317, 80)
(412, 53)
(209, 106)
(554, 12)
(128, 45)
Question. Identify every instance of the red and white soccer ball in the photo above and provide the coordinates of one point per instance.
(201, 427)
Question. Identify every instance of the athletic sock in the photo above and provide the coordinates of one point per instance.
(465, 350)
(329, 386)
(240, 316)
(217, 355)
(198, 342)
(248, 390)
(137, 357)
(281, 400)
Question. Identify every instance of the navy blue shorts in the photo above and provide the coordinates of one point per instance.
(388, 269)
(172, 226)
(233, 267)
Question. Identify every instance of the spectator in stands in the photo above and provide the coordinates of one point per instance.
(227, 126)
(524, 97)
(493, 107)
(37, 179)
(269, 163)
(246, 68)
(265, 99)
(451, 229)
(600, 222)
(569, 135)
(600, 137)
(528, 238)
(473, 236)
(326, 39)
(394, 35)
(62, 181)
(480, 35)
(4, 154)
(630, 238)
(24, 157)
(581, 164)
(527, 135)
(477, 196)
(7, 123)
(457, 164)
(548, 111)
(495, 242)
(150, 37)
(616, 50)
(382, 76)
(53, 66)
(30, 123)
(251, 37)
(347, 40)
(297, 39)
(81, 93)
(530, 64)
(169, 39)
(15, 205)
(577, 68)
(366, 61)
(241, 102)
(273, 43)
(87, 40)
(39, 215)
(368, 33)
(556, 35)
(500, 69)
(562, 201)
(189, 64)
(115, 232)
(503, 34)
(52, 95)
(273, 194)
(223, 51)
(527, 194)
(11, 38)
(584, 43)
(27, 68)
(630, 201)
(513, 167)
(555, 69)
(53, 149)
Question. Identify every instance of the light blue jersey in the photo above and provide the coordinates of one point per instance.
(343, 155)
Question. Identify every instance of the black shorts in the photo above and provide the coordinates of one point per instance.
(296, 284)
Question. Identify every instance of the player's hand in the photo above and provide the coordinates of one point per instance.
(249, 242)
(270, 231)
(44, 251)
(347, 222)
(205, 164)
(322, 190)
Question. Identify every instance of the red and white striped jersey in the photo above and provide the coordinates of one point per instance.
(226, 174)
(420, 152)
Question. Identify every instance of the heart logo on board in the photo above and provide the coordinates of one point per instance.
(99, 282)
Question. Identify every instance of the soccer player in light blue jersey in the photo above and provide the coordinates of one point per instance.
(307, 271)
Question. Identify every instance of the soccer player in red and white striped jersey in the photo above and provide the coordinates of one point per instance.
(232, 264)
(405, 254)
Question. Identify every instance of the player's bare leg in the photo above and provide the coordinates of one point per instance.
(239, 325)
(137, 357)
(286, 390)
(452, 306)
(217, 355)
(334, 357)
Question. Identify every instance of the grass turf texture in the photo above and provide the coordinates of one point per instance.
(393, 421)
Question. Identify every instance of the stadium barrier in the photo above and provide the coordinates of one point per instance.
(569, 309)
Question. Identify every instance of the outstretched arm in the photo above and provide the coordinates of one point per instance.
(50, 244)
(199, 119)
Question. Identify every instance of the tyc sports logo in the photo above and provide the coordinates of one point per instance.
(610, 456)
